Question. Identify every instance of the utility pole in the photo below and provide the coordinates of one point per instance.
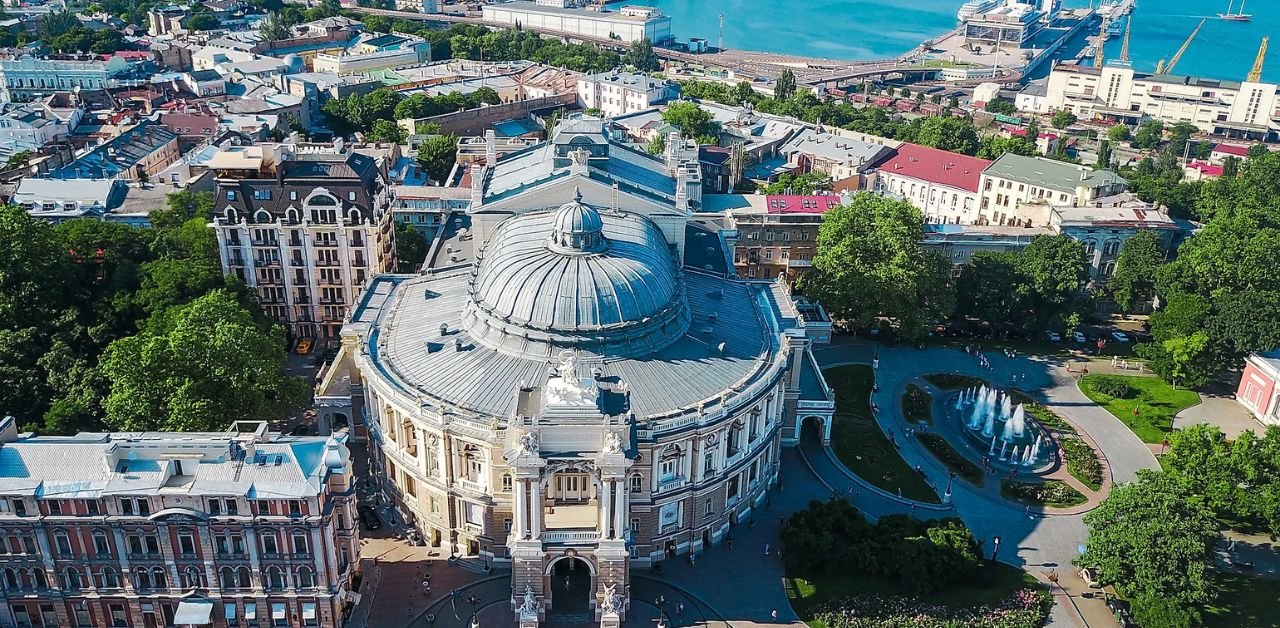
(720, 39)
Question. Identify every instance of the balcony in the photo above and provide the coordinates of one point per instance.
(671, 483)
(570, 537)
(470, 485)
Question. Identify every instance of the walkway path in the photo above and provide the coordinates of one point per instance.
(1038, 543)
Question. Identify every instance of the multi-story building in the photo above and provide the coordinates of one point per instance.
(137, 154)
(1245, 109)
(588, 390)
(238, 529)
(30, 126)
(27, 77)
(375, 52)
(1258, 391)
(942, 184)
(842, 158)
(306, 226)
(777, 236)
(1018, 190)
(628, 24)
(617, 93)
(1105, 224)
(1010, 24)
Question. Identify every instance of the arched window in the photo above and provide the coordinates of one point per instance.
(322, 200)
(10, 579)
(71, 579)
(232, 215)
(262, 216)
(108, 578)
(243, 578)
(1090, 246)
(158, 579)
(1109, 269)
(291, 215)
(227, 577)
(305, 578)
(41, 582)
(275, 579)
(637, 483)
(142, 580)
(1111, 247)
(353, 216)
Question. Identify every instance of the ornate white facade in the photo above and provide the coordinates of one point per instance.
(580, 396)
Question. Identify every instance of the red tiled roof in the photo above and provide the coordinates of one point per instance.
(1204, 168)
(936, 166)
(1232, 149)
(797, 204)
(191, 121)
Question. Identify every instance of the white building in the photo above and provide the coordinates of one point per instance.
(942, 184)
(29, 126)
(419, 6)
(631, 23)
(1018, 190)
(1240, 109)
(620, 93)
(27, 77)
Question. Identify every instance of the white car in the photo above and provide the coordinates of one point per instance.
(1079, 336)
(1053, 336)
(1119, 336)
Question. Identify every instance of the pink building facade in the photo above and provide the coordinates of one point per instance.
(1258, 390)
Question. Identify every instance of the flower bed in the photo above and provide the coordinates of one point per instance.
(944, 452)
(1027, 608)
(1052, 493)
(952, 381)
(1082, 461)
(917, 405)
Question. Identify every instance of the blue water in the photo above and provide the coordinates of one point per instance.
(876, 29)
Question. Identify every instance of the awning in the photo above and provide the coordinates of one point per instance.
(250, 611)
(193, 613)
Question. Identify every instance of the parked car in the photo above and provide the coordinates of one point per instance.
(1053, 336)
(1089, 580)
(1119, 336)
(304, 346)
(1079, 336)
(368, 517)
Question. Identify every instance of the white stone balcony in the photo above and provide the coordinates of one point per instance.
(570, 537)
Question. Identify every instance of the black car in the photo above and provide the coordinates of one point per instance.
(368, 517)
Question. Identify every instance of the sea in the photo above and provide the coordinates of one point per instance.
(877, 29)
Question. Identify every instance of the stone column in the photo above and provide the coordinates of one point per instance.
(535, 504)
(606, 505)
(517, 510)
(620, 512)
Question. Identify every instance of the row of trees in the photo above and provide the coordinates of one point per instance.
(871, 265)
(375, 113)
(104, 325)
(834, 538)
(1155, 538)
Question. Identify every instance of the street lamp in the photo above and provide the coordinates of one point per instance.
(995, 547)
(474, 601)
(946, 497)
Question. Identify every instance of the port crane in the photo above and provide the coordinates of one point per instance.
(1165, 68)
(1255, 74)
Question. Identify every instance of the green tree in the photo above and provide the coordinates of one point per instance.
(692, 120)
(203, 22)
(1134, 280)
(213, 361)
(807, 183)
(1258, 150)
(1230, 167)
(58, 23)
(182, 206)
(994, 146)
(437, 155)
(273, 28)
(1063, 119)
(1151, 539)
(1163, 612)
(1104, 154)
(785, 86)
(642, 57)
(387, 130)
(951, 134)
(411, 248)
(993, 288)
(1149, 134)
(1055, 267)
(657, 145)
(1119, 133)
(870, 264)
(1002, 106)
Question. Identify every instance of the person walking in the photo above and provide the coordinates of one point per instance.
(774, 615)
(766, 549)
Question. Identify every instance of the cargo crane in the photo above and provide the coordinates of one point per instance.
(1255, 74)
(1163, 68)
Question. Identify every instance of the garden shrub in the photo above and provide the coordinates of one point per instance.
(917, 405)
(1113, 387)
(1162, 612)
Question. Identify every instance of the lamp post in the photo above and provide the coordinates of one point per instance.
(474, 601)
(995, 547)
(946, 497)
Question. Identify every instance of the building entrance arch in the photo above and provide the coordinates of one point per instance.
(570, 580)
(815, 426)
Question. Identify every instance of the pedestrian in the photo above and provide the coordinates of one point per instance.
(566, 583)
(766, 549)
(774, 614)
(1113, 361)
(1028, 512)
(693, 559)
(1124, 364)
(679, 608)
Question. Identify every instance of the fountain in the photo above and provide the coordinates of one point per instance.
(992, 418)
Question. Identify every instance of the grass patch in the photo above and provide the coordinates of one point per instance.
(1243, 602)
(859, 442)
(1082, 462)
(917, 405)
(1042, 413)
(1156, 403)
(1052, 493)
(998, 582)
(952, 381)
(944, 452)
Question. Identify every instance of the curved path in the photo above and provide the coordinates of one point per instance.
(1038, 543)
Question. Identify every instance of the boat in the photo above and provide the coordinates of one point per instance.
(976, 7)
(1238, 16)
(1115, 28)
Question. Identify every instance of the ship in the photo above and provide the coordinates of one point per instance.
(976, 7)
(1238, 16)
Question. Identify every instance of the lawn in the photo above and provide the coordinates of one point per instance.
(917, 405)
(1156, 402)
(999, 582)
(1243, 602)
(859, 442)
(945, 453)
(953, 381)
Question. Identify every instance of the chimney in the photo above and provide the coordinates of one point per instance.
(490, 147)
(673, 150)
(477, 185)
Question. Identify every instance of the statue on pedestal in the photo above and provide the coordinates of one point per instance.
(612, 602)
(612, 443)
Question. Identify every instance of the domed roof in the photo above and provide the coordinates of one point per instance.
(574, 278)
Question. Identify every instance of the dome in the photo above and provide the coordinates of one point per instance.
(572, 278)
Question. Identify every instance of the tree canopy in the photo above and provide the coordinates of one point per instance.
(642, 57)
(1134, 280)
(437, 155)
(693, 122)
(870, 264)
(1028, 289)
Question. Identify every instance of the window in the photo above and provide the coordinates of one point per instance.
(108, 579)
(637, 483)
(91, 507)
(117, 615)
(20, 507)
(709, 507)
(55, 506)
(300, 543)
(81, 617)
(233, 507)
(62, 543)
(351, 196)
(186, 543)
(506, 482)
(709, 461)
(215, 507)
(279, 615)
(305, 578)
(310, 616)
(295, 508)
(275, 578)
(231, 196)
(262, 195)
(100, 545)
(293, 195)
(270, 543)
(71, 579)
